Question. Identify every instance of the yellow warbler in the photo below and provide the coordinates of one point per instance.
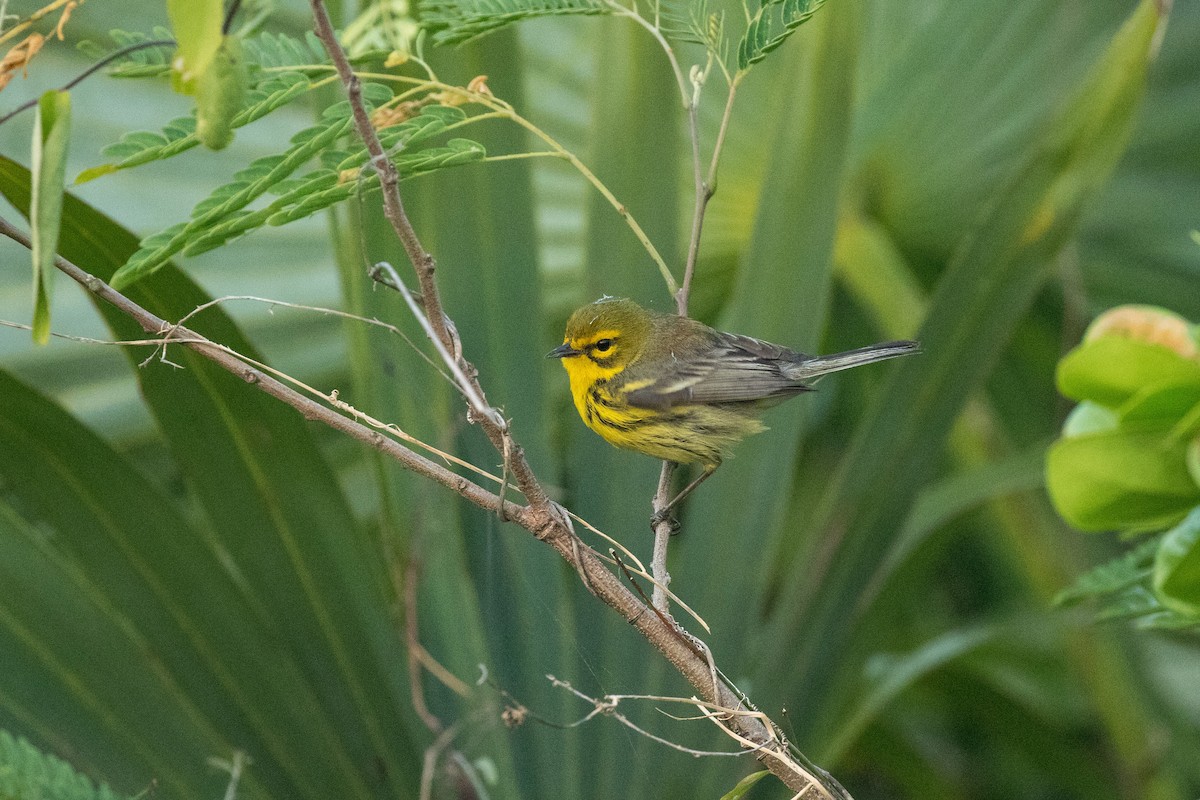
(674, 388)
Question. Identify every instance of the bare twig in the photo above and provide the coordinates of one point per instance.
(412, 641)
(234, 766)
(124, 51)
(705, 188)
(608, 707)
(468, 387)
(664, 526)
(432, 754)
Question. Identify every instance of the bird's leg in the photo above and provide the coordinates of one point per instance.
(665, 512)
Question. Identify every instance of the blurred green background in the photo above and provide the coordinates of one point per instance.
(187, 570)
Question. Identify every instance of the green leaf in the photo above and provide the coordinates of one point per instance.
(26, 773)
(98, 171)
(276, 50)
(307, 572)
(223, 215)
(1142, 604)
(1193, 459)
(229, 199)
(265, 90)
(124, 575)
(1162, 406)
(1113, 576)
(220, 92)
(891, 675)
(1089, 417)
(1120, 479)
(51, 136)
(1110, 370)
(771, 25)
(745, 785)
(1177, 567)
(692, 21)
(197, 28)
(459, 21)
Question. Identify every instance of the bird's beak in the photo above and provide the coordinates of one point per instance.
(563, 351)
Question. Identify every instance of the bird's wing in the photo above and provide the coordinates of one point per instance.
(736, 369)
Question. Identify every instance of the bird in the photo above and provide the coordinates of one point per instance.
(673, 388)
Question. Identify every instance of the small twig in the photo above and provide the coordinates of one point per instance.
(663, 528)
(87, 73)
(229, 16)
(412, 639)
(432, 754)
(234, 766)
(270, 301)
(641, 593)
(641, 573)
(608, 707)
(465, 385)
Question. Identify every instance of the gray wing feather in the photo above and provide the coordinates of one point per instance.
(741, 369)
(738, 369)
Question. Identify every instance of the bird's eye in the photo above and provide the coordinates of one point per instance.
(604, 345)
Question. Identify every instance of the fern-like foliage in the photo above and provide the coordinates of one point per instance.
(691, 21)
(150, 62)
(771, 25)
(457, 21)
(281, 69)
(27, 773)
(1122, 587)
(227, 214)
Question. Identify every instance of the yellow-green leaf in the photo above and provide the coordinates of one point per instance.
(51, 132)
(1120, 479)
(1177, 567)
(220, 93)
(197, 27)
(744, 785)
(1110, 370)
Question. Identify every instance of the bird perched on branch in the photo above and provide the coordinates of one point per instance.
(674, 388)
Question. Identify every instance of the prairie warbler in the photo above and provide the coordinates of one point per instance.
(673, 388)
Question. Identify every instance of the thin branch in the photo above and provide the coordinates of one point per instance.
(663, 528)
(87, 73)
(412, 641)
(469, 388)
(705, 188)
(608, 707)
(230, 14)
(656, 32)
(432, 754)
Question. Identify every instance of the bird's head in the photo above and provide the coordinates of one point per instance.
(603, 337)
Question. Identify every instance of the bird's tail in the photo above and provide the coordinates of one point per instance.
(814, 367)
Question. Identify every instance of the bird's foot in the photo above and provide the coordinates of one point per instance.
(664, 516)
